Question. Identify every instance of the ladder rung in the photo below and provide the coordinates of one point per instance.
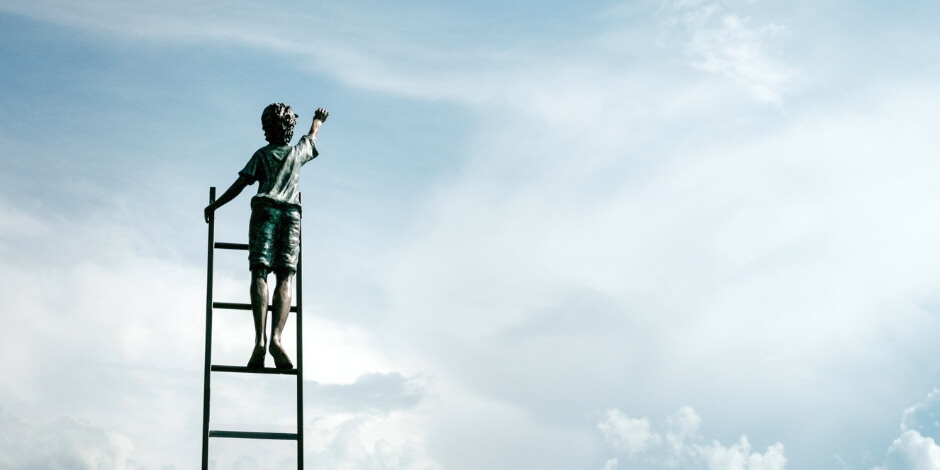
(237, 306)
(254, 370)
(231, 246)
(283, 436)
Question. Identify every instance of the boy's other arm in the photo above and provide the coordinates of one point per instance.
(234, 190)
(318, 118)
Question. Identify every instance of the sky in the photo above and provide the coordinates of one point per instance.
(651, 234)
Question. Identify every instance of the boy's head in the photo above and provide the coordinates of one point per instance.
(278, 122)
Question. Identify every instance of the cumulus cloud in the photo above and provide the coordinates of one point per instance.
(912, 451)
(916, 448)
(739, 456)
(627, 434)
(924, 417)
(683, 426)
(683, 445)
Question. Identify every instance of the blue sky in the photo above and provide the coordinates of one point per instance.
(693, 234)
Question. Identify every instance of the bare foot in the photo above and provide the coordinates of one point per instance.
(257, 358)
(281, 361)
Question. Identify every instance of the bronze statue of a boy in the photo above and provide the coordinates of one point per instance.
(274, 230)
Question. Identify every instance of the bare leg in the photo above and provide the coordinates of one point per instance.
(259, 309)
(282, 296)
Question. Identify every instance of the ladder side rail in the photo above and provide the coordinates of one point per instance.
(300, 356)
(208, 350)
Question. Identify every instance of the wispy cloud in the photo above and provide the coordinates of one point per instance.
(378, 48)
(721, 41)
(762, 263)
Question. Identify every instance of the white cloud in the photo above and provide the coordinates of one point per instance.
(634, 246)
(721, 41)
(738, 456)
(64, 443)
(683, 444)
(627, 434)
(368, 47)
(912, 451)
(351, 442)
(342, 441)
(109, 340)
(15, 222)
(352, 349)
(823, 221)
(924, 417)
(683, 426)
(916, 448)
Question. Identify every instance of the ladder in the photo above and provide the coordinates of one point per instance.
(209, 367)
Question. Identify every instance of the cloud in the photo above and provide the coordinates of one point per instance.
(683, 445)
(627, 434)
(368, 443)
(373, 47)
(64, 443)
(342, 440)
(16, 223)
(916, 448)
(653, 245)
(386, 49)
(108, 340)
(723, 42)
(666, 269)
(683, 426)
(738, 456)
(912, 451)
(924, 417)
(374, 392)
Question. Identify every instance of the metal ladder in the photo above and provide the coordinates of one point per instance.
(209, 367)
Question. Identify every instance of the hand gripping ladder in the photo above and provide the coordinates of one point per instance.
(209, 367)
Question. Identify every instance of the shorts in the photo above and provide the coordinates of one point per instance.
(273, 236)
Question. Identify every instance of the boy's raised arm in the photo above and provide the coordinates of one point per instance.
(318, 118)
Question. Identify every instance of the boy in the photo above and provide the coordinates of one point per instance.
(274, 230)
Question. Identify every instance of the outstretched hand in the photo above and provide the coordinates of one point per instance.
(321, 114)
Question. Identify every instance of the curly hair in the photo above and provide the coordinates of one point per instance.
(278, 122)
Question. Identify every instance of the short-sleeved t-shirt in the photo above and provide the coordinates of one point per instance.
(277, 170)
